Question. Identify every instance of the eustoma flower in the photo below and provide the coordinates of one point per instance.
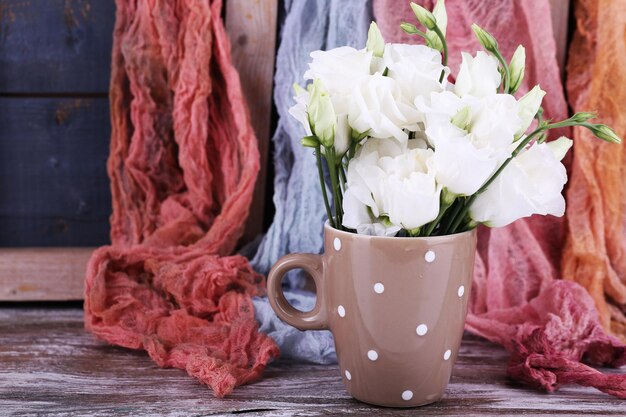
(531, 184)
(391, 184)
(415, 68)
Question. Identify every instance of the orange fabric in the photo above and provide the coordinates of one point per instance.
(595, 250)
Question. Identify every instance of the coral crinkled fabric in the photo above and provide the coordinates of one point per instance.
(595, 250)
(549, 325)
(183, 164)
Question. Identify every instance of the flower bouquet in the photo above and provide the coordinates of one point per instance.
(415, 163)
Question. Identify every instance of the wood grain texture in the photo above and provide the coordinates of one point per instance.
(49, 366)
(560, 20)
(251, 26)
(55, 46)
(54, 185)
(32, 274)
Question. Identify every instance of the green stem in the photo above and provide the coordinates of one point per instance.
(320, 172)
(458, 204)
(505, 68)
(342, 176)
(445, 50)
(431, 226)
(332, 168)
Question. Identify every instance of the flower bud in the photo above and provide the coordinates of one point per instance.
(516, 68)
(310, 142)
(582, 117)
(560, 147)
(441, 19)
(321, 114)
(605, 133)
(425, 17)
(462, 118)
(528, 105)
(409, 28)
(375, 42)
(485, 38)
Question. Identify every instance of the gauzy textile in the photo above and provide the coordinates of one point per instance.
(548, 325)
(183, 164)
(595, 250)
(300, 214)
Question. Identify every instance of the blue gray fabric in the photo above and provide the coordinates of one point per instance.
(308, 25)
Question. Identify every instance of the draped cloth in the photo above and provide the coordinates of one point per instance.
(595, 250)
(182, 164)
(300, 214)
(549, 325)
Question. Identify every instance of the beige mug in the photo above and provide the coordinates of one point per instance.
(396, 308)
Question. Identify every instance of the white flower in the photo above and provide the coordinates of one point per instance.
(377, 107)
(460, 165)
(307, 107)
(340, 68)
(531, 184)
(391, 184)
(467, 155)
(298, 111)
(416, 69)
(528, 106)
(478, 76)
(495, 119)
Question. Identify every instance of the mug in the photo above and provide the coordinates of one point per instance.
(396, 307)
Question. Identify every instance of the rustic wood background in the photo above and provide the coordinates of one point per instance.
(54, 131)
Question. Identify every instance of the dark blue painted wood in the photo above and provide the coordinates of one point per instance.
(54, 190)
(55, 46)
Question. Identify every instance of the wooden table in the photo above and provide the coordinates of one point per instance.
(49, 366)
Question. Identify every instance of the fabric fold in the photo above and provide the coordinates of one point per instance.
(595, 251)
(182, 164)
(300, 214)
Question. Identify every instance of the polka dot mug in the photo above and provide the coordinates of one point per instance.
(396, 308)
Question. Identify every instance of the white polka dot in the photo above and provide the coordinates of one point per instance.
(429, 256)
(337, 244)
(461, 291)
(372, 355)
(447, 354)
(421, 329)
(407, 395)
(341, 311)
(379, 288)
(348, 375)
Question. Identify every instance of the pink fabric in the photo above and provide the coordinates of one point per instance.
(547, 324)
(183, 164)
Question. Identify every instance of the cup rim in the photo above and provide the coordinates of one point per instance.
(329, 229)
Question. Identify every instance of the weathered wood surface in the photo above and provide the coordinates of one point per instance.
(251, 26)
(55, 189)
(49, 366)
(29, 274)
(55, 46)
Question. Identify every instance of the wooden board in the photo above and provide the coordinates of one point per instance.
(33, 273)
(55, 190)
(55, 46)
(251, 26)
(49, 366)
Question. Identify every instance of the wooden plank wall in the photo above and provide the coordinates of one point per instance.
(54, 122)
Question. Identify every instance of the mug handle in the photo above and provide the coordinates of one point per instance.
(315, 319)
